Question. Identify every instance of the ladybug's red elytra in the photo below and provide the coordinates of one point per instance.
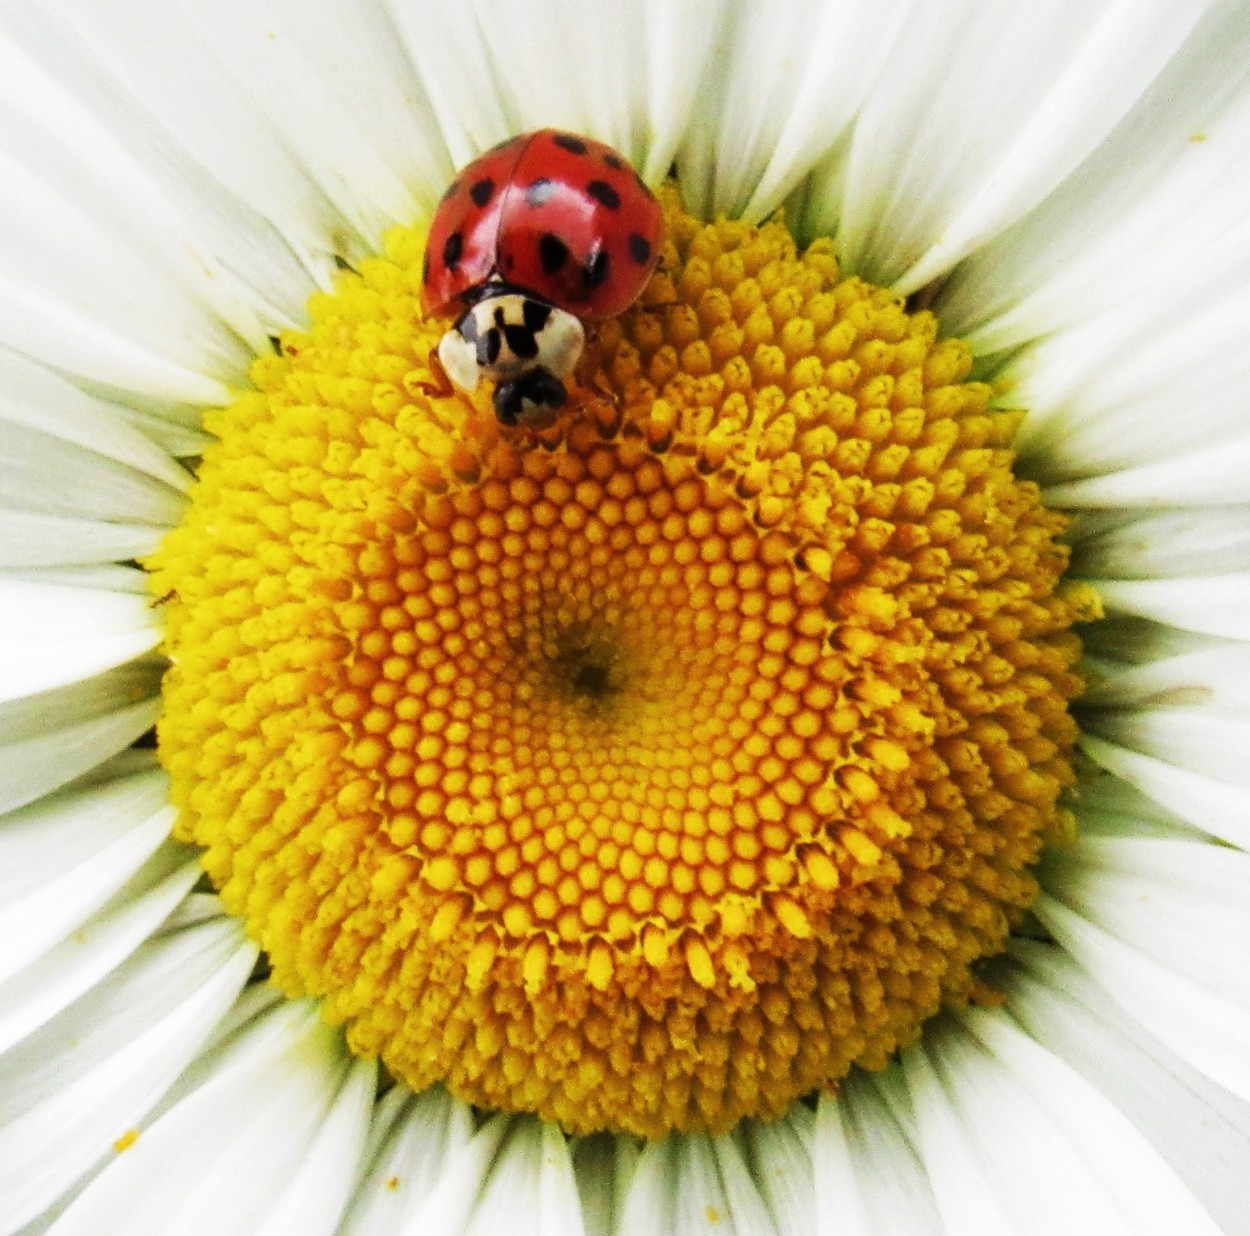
(542, 233)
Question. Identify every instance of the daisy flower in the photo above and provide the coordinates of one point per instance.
(799, 790)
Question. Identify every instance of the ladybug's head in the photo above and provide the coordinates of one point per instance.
(524, 345)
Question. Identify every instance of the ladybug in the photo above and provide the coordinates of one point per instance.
(543, 233)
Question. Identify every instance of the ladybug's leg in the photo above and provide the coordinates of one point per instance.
(533, 392)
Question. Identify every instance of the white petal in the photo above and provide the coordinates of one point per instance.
(1129, 912)
(316, 1192)
(1120, 544)
(47, 740)
(869, 1179)
(690, 1183)
(1149, 381)
(1106, 805)
(1138, 641)
(255, 1001)
(76, 289)
(1210, 803)
(107, 576)
(631, 72)
(34, 995)
(1206, 740)
(1191, 711)
(780, 1160)
(63, 857)
(51, 636)
(309, 112)
(412, 1136)
(604, 1166)
(161, 61)
(1210, 604)
(967, 1090)
(32, 540)
(958, 140)
(1199, 1128)
(777, 96)
(226, 1158)
(1215, 473)
(65, 453)
(839, 1183)
(126, 763)
(85, 1079)
(1170, 170)
(447, 47)
(173, 428)
(447, 1209)
(148, 273)
(530, 1190)
(1162, 896)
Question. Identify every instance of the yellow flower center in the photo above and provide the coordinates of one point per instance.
(649, 770)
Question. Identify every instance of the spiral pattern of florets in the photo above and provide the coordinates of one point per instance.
(646, 771)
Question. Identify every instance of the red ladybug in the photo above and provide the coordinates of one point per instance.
(542, 233)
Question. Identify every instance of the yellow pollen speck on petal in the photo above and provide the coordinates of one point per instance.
(647, 770)
(126, 1140)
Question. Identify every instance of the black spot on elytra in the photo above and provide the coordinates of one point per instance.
(552, 252)
(425, 267)
(595, 272)
(612, 160)
(453, 250)
(604, 194)
(539, 193)
(535, 314)
(482, 191)
(566, 141)
(451, 191)
(639, 249)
